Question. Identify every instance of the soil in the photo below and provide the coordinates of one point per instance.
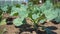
(11, 29)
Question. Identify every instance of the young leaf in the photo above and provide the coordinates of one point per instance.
(5, 8)
(17, 22)
(35, 16)
(42, 20)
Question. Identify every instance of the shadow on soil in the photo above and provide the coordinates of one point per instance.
(26, 27)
